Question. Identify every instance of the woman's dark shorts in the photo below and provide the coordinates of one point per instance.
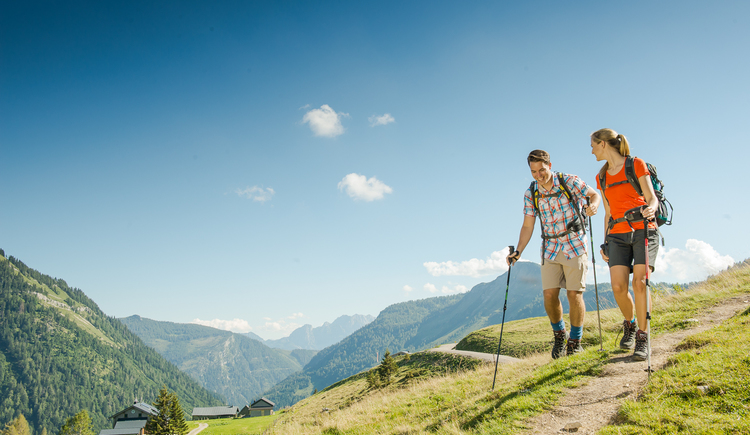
(627, 249)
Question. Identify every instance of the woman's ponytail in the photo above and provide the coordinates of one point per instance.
(613, 139)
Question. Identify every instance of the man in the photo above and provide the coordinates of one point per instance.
(564, 258)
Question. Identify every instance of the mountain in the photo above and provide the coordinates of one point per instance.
(254, 336)
(393, 327)
(307, 337)
(232, 365)
(418, 325)
(60, 354)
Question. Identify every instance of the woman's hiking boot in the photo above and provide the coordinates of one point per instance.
(573, 347)
(641, 346)
(559, 346)
(628, 334)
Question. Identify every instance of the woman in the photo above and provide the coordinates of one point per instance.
(624, 247)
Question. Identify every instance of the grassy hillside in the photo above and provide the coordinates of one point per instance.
(60, 354)
(704, 388)
(392, 329)
(419, 325)
(235, 426)
(232, 365)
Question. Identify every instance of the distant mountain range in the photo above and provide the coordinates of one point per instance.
(418, 325)
(60, 354)
(232, 365)
(238, 367)
(307, 337)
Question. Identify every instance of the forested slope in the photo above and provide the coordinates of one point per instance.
(59, 354)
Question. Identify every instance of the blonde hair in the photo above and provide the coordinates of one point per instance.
(617, 141)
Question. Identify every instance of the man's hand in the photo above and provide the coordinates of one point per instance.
(590, 209)
(513, 257)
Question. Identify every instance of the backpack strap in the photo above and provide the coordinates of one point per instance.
(629, 178)
(630, 175)
(572, 200)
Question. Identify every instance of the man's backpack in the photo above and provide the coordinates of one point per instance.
(664, 212)
(578, 222)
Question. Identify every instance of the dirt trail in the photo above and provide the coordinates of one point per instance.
(595, 404)
(200, 427)
(451, 348)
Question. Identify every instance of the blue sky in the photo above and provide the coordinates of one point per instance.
(261, 165)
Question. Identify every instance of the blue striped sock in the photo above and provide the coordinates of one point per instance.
(576, 332)
(559, 326)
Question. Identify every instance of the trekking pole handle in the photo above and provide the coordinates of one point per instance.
(511, 251)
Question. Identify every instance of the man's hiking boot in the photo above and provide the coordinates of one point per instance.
(641, 346)
(559, 346)
(573, 347)
(628, 334)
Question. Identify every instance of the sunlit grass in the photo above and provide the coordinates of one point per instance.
(705, 389)
(459, 400)
(236, 426)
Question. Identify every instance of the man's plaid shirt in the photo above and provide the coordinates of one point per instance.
(555, 211)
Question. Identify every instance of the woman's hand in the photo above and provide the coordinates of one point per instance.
(605, 257)
(648, 212)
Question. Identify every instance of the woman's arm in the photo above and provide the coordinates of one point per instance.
(652, 202)
(607, 216)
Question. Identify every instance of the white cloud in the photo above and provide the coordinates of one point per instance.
(475, 267)
(408, 288)
(296, 316)
(360, 187)
(279, 328)
(256, 193)
(381, 120)
(461, 289)
(325, 121)
(445, 289)
(236, 325)
(695, 263)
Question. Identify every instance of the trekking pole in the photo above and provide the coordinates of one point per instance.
(596, 287)
(512, 250)
(648, 299)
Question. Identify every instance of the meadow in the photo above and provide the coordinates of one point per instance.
(703, 388)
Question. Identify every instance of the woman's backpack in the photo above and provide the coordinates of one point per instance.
(665, 210)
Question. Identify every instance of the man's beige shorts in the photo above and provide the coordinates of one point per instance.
(561, 272)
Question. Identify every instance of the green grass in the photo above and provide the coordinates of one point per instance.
(236, 426)
(670, 311)
(458, 400)
(705, 388)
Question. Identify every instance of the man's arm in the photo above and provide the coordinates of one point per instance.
(527, 230)
(594, 201)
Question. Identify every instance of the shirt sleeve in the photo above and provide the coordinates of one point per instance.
(640, 167)
(579, 187)
(528, 204)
